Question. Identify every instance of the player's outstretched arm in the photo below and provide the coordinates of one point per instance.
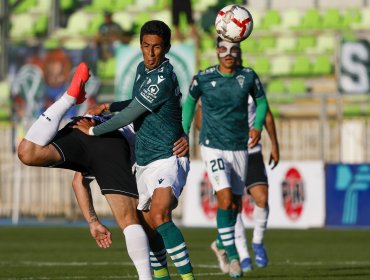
(99, 232)
(271, 130)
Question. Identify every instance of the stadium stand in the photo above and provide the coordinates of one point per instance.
(291, 39)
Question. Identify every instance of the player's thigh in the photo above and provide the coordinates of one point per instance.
(123, 208)
(239, 164)
(170, 172)
(32, 154)
(218, 169)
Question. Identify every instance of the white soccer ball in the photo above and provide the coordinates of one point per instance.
(234, 23)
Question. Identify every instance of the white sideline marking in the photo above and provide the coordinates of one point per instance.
(212, 266)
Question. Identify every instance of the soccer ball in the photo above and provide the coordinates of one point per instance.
(234, 23)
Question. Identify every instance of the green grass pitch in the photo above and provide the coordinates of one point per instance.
(43, 253)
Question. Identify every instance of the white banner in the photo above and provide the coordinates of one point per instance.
(296, 197)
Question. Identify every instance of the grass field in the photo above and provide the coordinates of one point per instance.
(32, 253)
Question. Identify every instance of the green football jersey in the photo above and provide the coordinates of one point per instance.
(225, 106)
(157, 130)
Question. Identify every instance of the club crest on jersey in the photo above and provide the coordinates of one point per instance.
(213, 83)
(240, 79)
(150, 93)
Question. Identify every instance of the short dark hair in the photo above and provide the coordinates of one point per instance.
(156, 27)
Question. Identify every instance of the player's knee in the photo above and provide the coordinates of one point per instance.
(225, 203)
(261, 201)
(158, 218)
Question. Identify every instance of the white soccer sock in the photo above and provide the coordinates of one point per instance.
(260, 216)
(241, 238)
(46, 126)
(138, 249)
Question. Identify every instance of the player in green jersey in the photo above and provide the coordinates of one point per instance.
(224, 90)
(156, 112)
(257, 187)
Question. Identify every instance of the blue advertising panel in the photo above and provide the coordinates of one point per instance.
(348, 195)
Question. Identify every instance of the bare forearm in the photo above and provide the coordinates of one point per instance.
(271, 129)
(82, 192)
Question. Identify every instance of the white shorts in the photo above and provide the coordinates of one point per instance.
(170, 172)
(226, 169)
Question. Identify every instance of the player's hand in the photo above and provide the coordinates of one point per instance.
(96, 110)
(84, 125)
(181, 146)
(254, 136)
(274, 158)
(101, 234)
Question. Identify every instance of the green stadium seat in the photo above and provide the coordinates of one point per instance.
(107, 69)
(290, 19)
(351, 17)
(332, 19)
(266, 43)
(51, 43)
(67, 5)
(100, 6)
(305, 42)
(296, 86)
(208, 43)
(42, 6)
(281, 66)
(276, 86)
(160, 5)
(283, 45)
(249, 46)
(78, 24)
(322, 66)
(301, 66)
(365, 20)
(94, 25)
(324, 44)
(21, 25)
(271, 20)
(24, 6)
(311, 20)
(276, 91)
(121, 5)
(262, 66)
(41, 25)
(124, 19)
(140, 19)
(202, 6)
(164, 15)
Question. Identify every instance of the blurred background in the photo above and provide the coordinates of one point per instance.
(312, 56)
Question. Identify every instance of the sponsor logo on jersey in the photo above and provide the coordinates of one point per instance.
(150, 93)
(161, 78)
(240, 79)
(293, 193)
